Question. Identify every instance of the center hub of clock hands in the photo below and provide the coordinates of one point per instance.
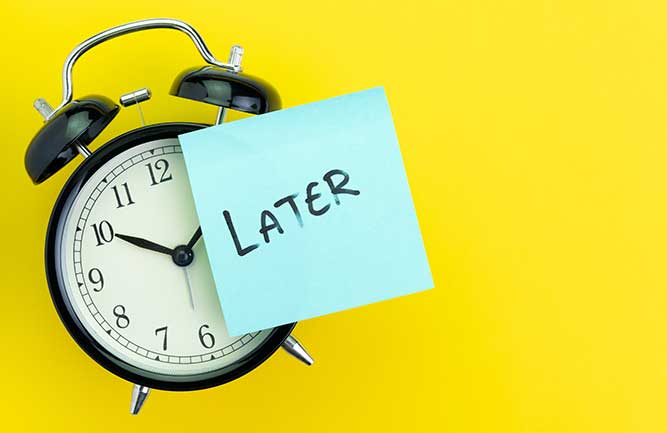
(182, 255)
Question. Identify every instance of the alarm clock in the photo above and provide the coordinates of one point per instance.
(126, 266)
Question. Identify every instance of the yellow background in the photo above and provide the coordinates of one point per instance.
(534, 136)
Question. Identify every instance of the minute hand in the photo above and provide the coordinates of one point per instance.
(195, 237)
(145, 243)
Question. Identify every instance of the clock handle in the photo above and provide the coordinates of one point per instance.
(154, 23)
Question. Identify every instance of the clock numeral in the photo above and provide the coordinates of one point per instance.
(164, 339)
(103, 232)
(206, 338)
(161, 168)
(122, 321)
(127, 195)
(95, 276)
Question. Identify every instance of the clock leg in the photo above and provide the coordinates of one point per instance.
(294, 348)
(139, 395)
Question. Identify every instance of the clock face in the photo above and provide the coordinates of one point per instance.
(155, 309)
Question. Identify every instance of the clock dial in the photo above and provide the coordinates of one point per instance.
(136, 270)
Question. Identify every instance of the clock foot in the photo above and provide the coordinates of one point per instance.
(139, 395)
(294, 348)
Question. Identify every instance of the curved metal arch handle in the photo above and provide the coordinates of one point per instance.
(154, 23)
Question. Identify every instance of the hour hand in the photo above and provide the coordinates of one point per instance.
(145, 243)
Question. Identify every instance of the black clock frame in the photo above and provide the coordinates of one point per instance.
(63, 305)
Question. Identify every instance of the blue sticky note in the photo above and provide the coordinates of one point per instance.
(306, 211)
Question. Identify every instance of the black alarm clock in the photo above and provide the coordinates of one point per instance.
(125, 263)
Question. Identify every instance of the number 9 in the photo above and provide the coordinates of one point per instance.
(95, 276)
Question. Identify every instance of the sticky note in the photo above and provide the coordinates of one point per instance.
(306, 211)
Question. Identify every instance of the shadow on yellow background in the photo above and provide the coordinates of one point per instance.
(534, 138)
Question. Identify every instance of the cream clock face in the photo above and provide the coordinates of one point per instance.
(155, 310)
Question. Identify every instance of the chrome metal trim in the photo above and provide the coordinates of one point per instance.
(154, 23)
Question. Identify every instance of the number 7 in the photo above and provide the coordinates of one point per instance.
(164, 340)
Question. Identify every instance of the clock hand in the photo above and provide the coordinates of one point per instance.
(195, 237)
(187, 280)
(145, 243)
(149, 245)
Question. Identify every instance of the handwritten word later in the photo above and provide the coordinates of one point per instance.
(335, 179)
